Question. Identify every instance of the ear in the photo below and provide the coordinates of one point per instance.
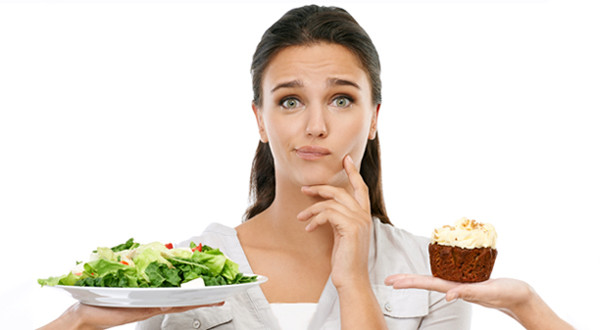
(260, 123)
(373, 129)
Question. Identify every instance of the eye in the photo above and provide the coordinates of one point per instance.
(290, 103)
(342, 102)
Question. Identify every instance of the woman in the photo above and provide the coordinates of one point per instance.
(318, 228)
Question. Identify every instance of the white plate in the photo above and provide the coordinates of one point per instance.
(157, 297)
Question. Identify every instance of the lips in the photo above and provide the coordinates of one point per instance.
(312, 152)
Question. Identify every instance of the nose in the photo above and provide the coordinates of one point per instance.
(316, 123)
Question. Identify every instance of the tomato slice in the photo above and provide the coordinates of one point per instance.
(198, 248)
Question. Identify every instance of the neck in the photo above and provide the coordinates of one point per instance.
(281, 218)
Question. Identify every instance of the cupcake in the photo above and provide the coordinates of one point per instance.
(464, 252)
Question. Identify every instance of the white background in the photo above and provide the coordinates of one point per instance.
(133, 119)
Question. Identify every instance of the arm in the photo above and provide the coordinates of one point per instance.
(348, 213)
(533, 313)
(513, 297)
(84, 317)
(359, 308)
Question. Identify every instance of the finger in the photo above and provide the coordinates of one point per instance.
(319, 207)
(338, 194)
(414, 281)
(327, 216)
(452, 295)
(361, 191)
(337, 220)
(470, 292)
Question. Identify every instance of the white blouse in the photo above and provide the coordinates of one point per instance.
(294, 316)
(392, 250)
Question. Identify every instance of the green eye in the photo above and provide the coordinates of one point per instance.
(290, 103)
(342, 102)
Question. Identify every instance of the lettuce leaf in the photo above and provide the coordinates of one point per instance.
(130, 244)
(161, 275)
(147, 254)
(214, 260)
(68, 279)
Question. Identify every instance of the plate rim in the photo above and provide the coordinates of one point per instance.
(260, 279)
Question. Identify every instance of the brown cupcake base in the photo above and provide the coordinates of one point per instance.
(461, 265)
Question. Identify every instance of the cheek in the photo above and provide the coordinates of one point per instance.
(278, 132)
(357, 134)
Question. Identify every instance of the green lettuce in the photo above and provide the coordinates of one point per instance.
(68, 279)
(153, 265)
(147, 254)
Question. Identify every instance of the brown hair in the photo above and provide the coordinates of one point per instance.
(305, 26)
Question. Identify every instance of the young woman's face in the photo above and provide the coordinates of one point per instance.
(316, 109)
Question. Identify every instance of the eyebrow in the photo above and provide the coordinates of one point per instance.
(341, 82)
(330, 82)
(288, 84)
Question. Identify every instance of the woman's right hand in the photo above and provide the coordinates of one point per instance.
(514, 297)
(81, 316)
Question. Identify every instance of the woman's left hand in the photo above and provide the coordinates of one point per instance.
(349, 214)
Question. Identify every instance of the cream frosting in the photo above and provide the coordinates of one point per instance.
(465, 233)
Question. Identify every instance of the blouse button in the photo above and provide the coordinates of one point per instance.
(388, 307)
(196, 324)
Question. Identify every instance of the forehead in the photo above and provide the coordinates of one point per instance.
(314, 62)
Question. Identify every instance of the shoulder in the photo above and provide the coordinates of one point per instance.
(400, 249)
(398, 232)
(397, 237)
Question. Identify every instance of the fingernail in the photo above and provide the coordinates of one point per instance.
(350, 159)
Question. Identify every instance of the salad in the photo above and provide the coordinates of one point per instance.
(153, 265)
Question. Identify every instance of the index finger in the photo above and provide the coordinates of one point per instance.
(361, 191)
(414, 281)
